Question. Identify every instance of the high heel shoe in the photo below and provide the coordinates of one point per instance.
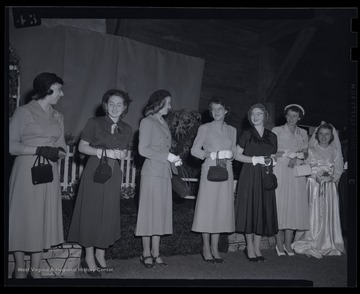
(261, 258)
(253, 259)
(103, 268)
(279, 253)
(92, 273)
(211, 260)
(155, 258)
(143, 258)
(289, 253)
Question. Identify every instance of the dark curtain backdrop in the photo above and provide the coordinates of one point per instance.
(90, 63)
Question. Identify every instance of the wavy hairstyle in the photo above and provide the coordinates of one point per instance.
(221, 101)
(262, 107)
(116, 92)
(156, 101)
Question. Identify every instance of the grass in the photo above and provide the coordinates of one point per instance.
(183, 241)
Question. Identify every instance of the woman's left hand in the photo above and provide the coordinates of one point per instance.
(120, 154)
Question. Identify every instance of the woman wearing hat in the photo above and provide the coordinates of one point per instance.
(35, 211)
(291, 197)
(154, 217)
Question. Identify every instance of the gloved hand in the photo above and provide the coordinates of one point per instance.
(222, 154)
(178, 163)
(173, 158)
(286, 153)
(120, 154)
(267, 160)
(62, 153)
(48, 152)
(110, 153)
(300, 155)
(225, 154)
(213, 155)
(292, 155)
(258, 159)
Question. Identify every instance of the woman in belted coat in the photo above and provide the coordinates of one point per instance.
(155, 206)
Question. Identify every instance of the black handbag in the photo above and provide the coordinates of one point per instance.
(180, 183)
(41, 173)
(218, 173)
(104, 171)
(269, 179)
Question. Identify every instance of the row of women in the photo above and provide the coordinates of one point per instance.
(35, 211)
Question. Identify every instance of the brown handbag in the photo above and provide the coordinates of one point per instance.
(218, 173)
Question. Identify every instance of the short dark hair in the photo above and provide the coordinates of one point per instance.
(42, 84)
(156, 101)
(262, 107)
(120, 93)
(325, 126)
(221, 101)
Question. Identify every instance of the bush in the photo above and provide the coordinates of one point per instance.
(183, 241)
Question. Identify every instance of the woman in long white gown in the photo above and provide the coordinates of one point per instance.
(325, 158)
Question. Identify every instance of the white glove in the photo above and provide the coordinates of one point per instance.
(109, 153)
(300, 155)
(228, 154)
(222, 154)
(286, 153)
(173, 158)
(258, 159)
(292, 155)
(119, 154)
(178, 163)
(213, 155)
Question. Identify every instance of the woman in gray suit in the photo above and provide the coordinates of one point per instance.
(155, 206)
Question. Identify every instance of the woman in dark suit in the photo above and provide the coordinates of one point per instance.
(155, 206)
(96, 219)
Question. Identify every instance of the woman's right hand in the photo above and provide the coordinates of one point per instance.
(173, 158)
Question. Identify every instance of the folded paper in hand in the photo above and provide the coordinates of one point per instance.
(302, 170)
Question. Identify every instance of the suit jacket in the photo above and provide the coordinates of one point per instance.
(154, 145)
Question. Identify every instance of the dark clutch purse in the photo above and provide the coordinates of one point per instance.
(218, 173)
(41, 173)
(270, 180)
(104, 171)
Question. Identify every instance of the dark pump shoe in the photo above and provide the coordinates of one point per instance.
(211, 260)
(253, 259)
(155, 260)
(103, 268)
(219, 260)
(90, 272)
(143, 258)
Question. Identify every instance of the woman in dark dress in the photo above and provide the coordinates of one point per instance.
(96, 217)
(255, 207)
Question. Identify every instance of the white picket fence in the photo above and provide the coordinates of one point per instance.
(71, 167)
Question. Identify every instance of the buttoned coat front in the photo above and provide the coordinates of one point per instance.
(154, 145)
(155, 204)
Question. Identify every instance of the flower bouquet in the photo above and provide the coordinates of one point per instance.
(323, 176)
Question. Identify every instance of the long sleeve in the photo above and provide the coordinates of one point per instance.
(61, 141)
(17, 125)
(338, 166)
(146, 148)
(197, 147)
(233, 142)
